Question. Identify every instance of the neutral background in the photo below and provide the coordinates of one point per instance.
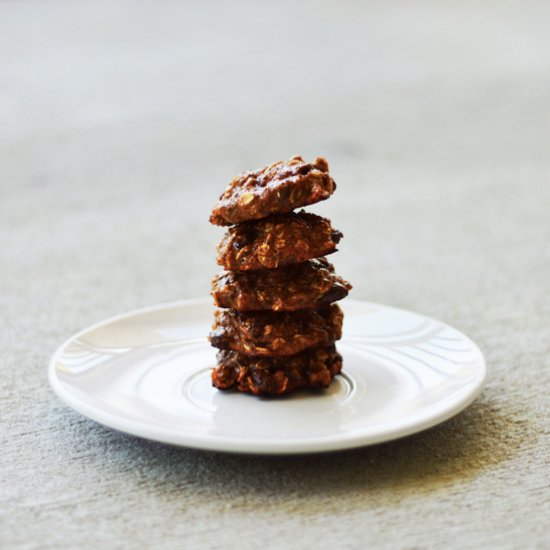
(121, 122)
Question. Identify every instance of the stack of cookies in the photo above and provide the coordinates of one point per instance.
(279, 324)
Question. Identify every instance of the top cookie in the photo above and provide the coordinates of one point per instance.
(276, 189)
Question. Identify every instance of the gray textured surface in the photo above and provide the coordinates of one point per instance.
(121, 122)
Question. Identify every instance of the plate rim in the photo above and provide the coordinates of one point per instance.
(243, 446)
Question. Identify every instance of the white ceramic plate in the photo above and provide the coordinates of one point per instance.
(147, 373)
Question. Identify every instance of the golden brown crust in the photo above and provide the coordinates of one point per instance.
(308, 285)
(277, 241)
(269, 333)
(276, 189)
(276, 375)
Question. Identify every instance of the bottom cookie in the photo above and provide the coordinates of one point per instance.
(313, 368)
